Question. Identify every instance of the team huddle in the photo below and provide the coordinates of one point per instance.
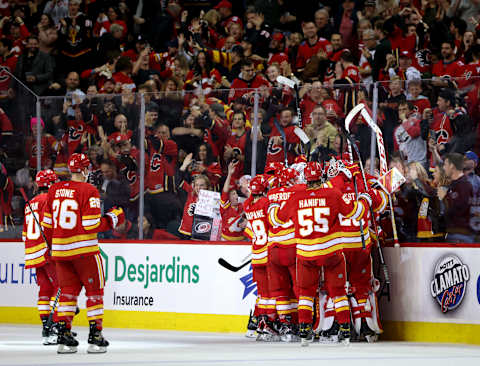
(311, 227)
(60, 234)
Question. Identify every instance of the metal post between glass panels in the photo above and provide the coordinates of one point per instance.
(39, 135)
(254, 137)
(373, 141)
(141, 201)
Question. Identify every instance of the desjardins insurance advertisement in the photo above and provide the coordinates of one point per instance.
(176, 278)
(180, 278)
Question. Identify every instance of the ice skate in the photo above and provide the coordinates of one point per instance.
(96, 342)
(49, 334)
(344, 333)
(252, 326)
(370, 335)
(66, 342)
(261, 324)
(52, 334)
(287, 333)
(269, 334)
(306, 334)
(330, 335)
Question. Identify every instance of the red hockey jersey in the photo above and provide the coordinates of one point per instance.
(280, 234)
(314, 213)
(35, 246)
(72, 219)
(257, 228)
(276, 152)
(230, 219)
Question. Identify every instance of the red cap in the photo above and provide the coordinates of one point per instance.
(406, 54)
(234, 20)
(223, 4)
(278, 36)
(279, 58)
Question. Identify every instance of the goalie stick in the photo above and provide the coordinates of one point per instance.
(362, 109)
(231, 267)
(55, 302)
(385, 290)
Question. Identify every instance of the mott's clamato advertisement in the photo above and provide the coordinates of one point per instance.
(450, 282)
(434, 285)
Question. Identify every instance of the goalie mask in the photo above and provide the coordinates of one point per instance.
(335, 167)
(300, 167)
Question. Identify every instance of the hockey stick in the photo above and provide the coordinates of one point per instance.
(293, 85)
(231, 267)
(372, 214)
(284, 140)
(363, 110)
(24, 195)
(360, 222)
(55, 302)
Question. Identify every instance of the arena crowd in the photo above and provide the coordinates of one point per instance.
(202, 68)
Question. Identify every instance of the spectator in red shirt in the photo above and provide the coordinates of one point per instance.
(446, 70)
(246, 80)
(311, 45)
(200, 182)
(104, 21)
(231, 210)
(414, 96)
(123, 69)
(8, 62)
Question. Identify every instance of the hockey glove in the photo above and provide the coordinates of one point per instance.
(116, 216)
(367, 198)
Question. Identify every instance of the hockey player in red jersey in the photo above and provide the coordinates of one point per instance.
(282, 257)
(257, 229)
(72, 219)
(37, 252)
(314, 213)
(358, 259)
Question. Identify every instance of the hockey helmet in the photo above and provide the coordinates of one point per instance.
(288, 175)
(258, 185)
(313, 171)
(78, 162)
(274, 167)
(45, 178)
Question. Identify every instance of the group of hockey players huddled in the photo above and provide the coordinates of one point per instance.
(60, 234)
(312, 226)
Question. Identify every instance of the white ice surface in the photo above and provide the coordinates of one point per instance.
(21, 345)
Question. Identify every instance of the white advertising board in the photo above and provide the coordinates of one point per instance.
(182, 278)
(433, 284)
(186, 278)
